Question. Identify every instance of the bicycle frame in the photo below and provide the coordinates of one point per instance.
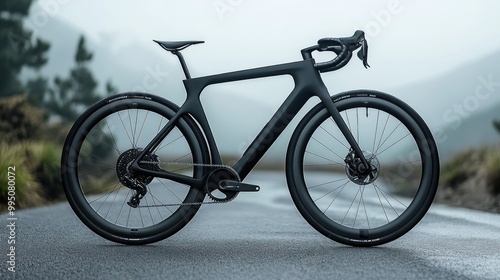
(308, 83)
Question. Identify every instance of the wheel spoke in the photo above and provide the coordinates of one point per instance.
(385, 194)
(381, 204)
(331, 135)
(319, 142)
(393, 144)
(357, 126)
(348, 122)
(341, 186)
(125, 129)
(350, 206)
(169, 143)
(121, 209)
(136, 137)
(376, 130)
(112, 136)
(392, 132)
(335, 198)
(98, 191)
(326, 183)
(325, 158)
(382, 134)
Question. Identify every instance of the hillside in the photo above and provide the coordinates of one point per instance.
(473, 132)
(460, 105)
(472, 179)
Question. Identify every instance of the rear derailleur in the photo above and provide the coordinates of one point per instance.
(137, 183)
(139, 189)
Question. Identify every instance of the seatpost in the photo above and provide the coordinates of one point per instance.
(183, 63)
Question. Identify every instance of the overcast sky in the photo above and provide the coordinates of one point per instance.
(404, 35)
(411, 41)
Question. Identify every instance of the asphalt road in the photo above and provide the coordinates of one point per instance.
(257, 236)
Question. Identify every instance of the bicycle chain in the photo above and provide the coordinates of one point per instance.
(190, 164)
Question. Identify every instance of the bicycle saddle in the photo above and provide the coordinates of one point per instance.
(173, 46)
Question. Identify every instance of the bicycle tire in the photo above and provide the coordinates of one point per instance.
(124, 124)
(346, 207)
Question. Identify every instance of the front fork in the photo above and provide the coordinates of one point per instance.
(334, 112)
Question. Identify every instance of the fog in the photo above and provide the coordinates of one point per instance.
(411, 43)
(409, 40)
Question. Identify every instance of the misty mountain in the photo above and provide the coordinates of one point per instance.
(472, 132)
(458, 105)
(473, 87)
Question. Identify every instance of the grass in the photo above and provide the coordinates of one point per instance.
(45, 164)
(105, 182)
(492, 171)
(404, 179)
(37, 173)
(461, 167)
(27, 189)
(483, 162)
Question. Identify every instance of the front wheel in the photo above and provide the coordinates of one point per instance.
(351, 206)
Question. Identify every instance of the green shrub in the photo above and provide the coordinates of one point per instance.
(55, 133)
(461, 167)
(493, 172)
(27, 189)
(19, 120)
(45, 164)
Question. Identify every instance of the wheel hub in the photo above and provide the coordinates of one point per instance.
(357, 171)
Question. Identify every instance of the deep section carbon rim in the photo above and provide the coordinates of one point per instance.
(102, 148)
(350, 206)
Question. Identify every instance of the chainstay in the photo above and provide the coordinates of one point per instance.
(184, 204)
(189, 164)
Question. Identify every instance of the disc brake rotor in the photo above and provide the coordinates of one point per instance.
(355, 169)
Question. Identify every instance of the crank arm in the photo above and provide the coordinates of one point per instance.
(228, 185)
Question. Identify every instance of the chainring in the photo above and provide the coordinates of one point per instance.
(212, 188)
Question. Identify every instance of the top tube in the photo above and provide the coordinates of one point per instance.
(195, 86)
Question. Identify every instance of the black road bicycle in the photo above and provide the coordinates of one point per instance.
(362, 166)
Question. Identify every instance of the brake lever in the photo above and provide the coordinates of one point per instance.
(363, 54)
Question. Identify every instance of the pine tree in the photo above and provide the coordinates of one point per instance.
(78, 91)
(18, 48)
(19, 120)
(496, 124)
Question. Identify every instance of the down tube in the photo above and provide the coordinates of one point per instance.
(270, 132)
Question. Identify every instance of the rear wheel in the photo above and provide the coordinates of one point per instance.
(340, 199)
(97, 154)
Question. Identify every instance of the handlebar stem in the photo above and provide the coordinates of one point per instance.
(307, 52)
